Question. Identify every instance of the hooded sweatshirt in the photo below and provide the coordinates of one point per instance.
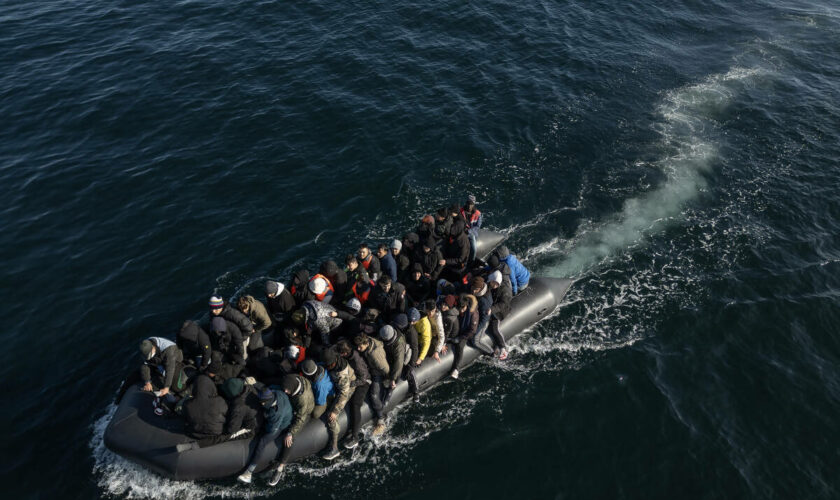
(194, 342)
(206, 411)
(519, 275)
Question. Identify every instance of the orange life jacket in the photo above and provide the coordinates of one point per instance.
(363, 296)
(473, 218)
(320, 296)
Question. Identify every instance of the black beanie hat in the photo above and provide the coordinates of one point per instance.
(291, 384)
(308, 367)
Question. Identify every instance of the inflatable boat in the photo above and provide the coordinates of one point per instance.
(136, 433)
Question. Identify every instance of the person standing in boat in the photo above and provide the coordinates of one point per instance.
(387, 262)
(502, 297)
(388, 297)
(456, 253)
(403, 260)
(277, 413)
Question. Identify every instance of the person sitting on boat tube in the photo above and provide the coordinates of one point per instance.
(519, 274)
(299, 391)
(277, 413)
(342, 377)
(373, 352)
(473, 218)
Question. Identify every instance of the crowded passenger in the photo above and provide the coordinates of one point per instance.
(397, 307)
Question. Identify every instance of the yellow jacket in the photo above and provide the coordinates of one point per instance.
(424, 337)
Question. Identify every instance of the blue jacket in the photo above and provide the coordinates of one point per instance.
(519, 275)
(389, 266)
(321, 388)
(278, 416)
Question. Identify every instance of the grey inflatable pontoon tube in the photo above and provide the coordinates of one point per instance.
(137, 434)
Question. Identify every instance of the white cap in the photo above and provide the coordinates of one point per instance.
(318, 286)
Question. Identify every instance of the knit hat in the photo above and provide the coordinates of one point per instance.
(429, 242)
(216, 302)
(454, 209)
(387, 333)
(354, 305)
(370, 315)
(418, 267)
(400, 321)
(471, 199)
(427, 219)
(273, 288)
(318, 286)
(308, 367)
(495, 276)
(412, 238)
(147, 349)
(233, 387)
(292, 384)
(266, 396)
(493, 261)
(477, 283)
(413, 315)
(450, 301)
(396, 245)
(218, 324)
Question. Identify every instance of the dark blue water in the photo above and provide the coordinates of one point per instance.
(679, 160)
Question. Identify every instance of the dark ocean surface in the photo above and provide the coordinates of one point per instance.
(678, 159)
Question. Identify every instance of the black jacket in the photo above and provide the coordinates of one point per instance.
(243, 411)
(299, 287)
(239, 318)
(388, 303)
(501, 301)
(229, 343)
(360, 368)
(194, 341)
(374, 270)
(170, 358)
(451, 324)
(431, 263)
(418, 291)
(281, 307)
(206, 411)
(458, 251)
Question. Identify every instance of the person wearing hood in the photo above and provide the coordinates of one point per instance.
(257, 314)
(456, 254)
(300, 395)
(387, 262)
(342, 377)
(502, 297)
(430, 260)
(519, 274)
(443, 223)
(279, 302)
(451, 324)
(403, 261)
(218, 308)
(411, 246)
(481, 291)
(359, 385)
(205, 413)
(338, 278)
(226, 341)
(277, 415)
(373, 352)
(406, 330)
(243, 407)
(195, 344)
(418, 287)
(318, 319)
(473, 218)
(322, 387)
(299, 288)
(494, 264)
(388, 297)
(395, 353)
(467, 327)
(369, 262)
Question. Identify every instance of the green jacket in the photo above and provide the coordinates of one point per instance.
(257, 314)
(302, 406)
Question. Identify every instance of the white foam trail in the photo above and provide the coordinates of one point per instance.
(687, 120)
